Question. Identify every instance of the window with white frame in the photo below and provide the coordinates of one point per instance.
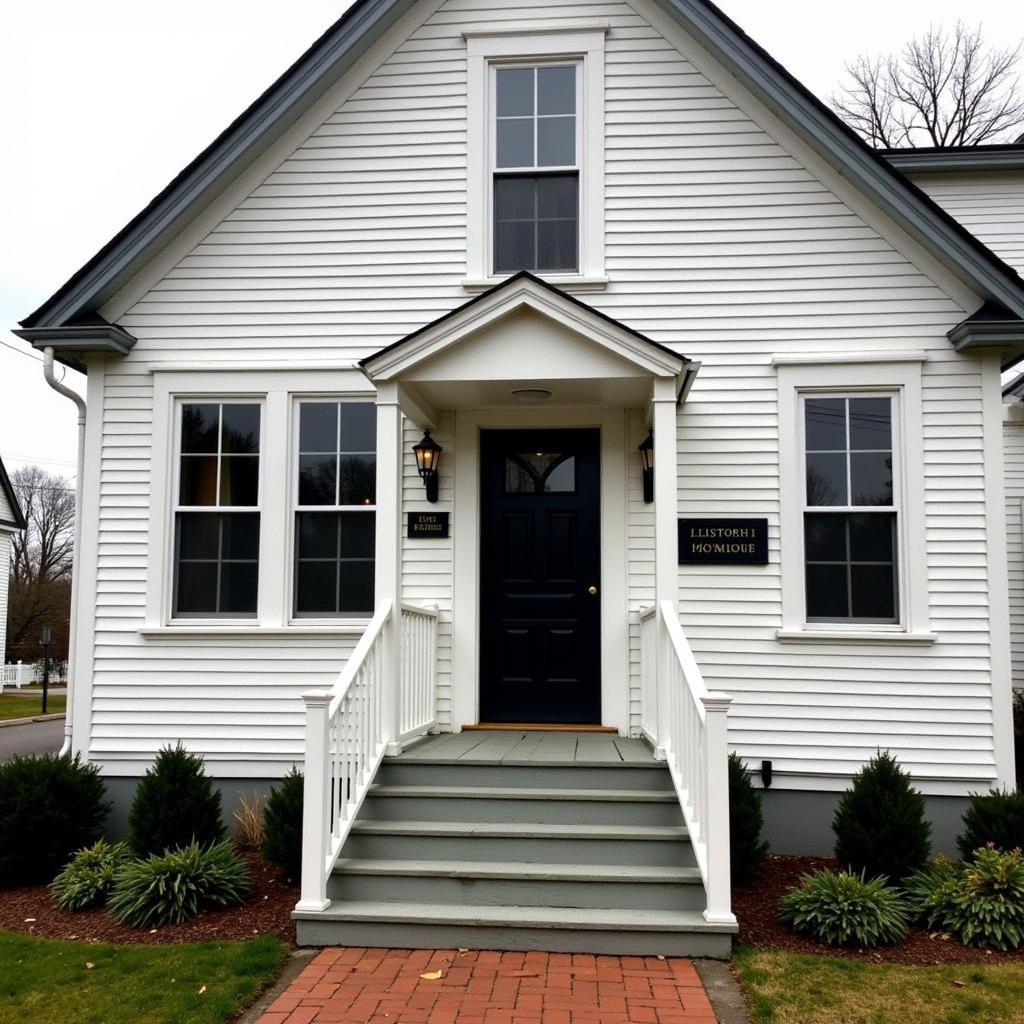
(217, 509)
(335, 506)
(851, 508)
(536, 171)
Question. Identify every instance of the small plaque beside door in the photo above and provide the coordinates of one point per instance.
(428, 524)
(724, 541)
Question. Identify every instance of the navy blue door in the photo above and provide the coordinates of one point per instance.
(540, 601)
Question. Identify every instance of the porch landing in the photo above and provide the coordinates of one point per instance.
(531, 747)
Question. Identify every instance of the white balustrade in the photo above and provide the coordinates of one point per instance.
(649, 673)
(417, 707)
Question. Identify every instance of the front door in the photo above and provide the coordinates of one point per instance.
(540, 603)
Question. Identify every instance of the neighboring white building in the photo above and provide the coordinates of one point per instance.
(539, 234)
(11, 521)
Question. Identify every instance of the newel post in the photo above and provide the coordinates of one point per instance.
(316, 798)
(716, 829)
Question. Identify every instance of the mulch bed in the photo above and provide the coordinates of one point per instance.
(756, 907)
(31, 911)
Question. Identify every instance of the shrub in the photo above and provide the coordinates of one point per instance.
(175, 804)
(745, 823)
(1018, 734)
(248, 829)
(880, 824)
(996, 817)
(172, 887)
(50, 806)
(980, 901)
(87, 878)
(282, 826)
(842, 909)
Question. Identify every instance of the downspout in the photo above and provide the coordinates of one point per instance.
(63, 389)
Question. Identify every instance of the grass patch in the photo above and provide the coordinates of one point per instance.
(49, 982)
(786, 988)
(26, 706)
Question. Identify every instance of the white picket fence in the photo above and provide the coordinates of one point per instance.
(19, 675)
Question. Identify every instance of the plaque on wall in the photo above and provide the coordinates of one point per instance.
(723, 541)
(428, 524)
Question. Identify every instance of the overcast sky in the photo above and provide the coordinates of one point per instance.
(103, 101)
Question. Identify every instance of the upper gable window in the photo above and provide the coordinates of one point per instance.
(536, 171)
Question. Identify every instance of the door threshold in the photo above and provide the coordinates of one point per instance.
(537, 727)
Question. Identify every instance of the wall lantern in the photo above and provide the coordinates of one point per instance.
(647, 455)
(428, 455)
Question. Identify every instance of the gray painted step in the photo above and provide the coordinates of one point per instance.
(626, 845)
(429, 772)
(499, 883)
(479, 803)
(442, 925)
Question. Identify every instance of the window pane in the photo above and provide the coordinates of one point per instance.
(315, 588)
(874, 594)
(514, 87)
(514, 245)
(318, 427)
(556, 142)
(240, 535)
(519, 478)
(238, 583)
(515, 199)
(358, 427)
(826, 592)
(557, 196)
(825, 537)
(316, 479)
(825, 420)
(197, 589)
(356, 594)
(562, 477)
(239, 479)
(872, 537)
(198, 535)
(871, 478)
(870, 423)
(318, 535)
(198, 480)
(515, 143)
(357, 479)
(556, 245)
(241, 427)
(556, 90)
(357, 534)
(826, 479)
(199, 427)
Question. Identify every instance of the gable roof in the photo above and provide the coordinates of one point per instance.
(940, 159)
(18, 521)
(306, 80)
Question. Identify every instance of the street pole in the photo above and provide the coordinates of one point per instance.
(47, 638)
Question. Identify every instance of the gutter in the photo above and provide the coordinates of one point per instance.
(63, 389)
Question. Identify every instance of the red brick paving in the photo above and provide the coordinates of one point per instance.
(384, 986)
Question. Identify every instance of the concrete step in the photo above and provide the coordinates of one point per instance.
(422, 925)
(499, 803)
(402, 771)
(498, 883)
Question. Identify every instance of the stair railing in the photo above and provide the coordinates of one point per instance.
(417, 706)
(691, 735)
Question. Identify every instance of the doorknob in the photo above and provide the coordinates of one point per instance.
(592, 590)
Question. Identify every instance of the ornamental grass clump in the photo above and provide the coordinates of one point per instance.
(88, 877)
(980, 901)
(842, 909)
(175, 886)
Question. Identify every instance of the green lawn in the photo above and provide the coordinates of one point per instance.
(784, 988)
(24, 705)
(49, 982)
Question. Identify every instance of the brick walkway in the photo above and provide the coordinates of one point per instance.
(385, 986)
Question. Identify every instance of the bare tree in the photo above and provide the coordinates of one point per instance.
(40, 591)
(942, 89)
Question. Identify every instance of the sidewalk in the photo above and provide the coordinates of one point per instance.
(395, 986)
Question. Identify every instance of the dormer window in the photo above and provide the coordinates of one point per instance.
(536, 171)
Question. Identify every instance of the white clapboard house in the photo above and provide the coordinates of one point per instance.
(12, 521)
(542, 364)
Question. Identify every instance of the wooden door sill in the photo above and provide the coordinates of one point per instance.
(537, 727)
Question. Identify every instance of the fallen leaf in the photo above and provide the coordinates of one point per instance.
(432, 975)
(29, 920)
(660, 957)
(89, 965)
(521, 974)
(202, 989)
(958, 984)
(152, 931)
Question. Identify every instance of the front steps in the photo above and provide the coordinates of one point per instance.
(460, 843)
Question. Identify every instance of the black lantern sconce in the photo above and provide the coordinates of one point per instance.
(647, 456)
(428, 455)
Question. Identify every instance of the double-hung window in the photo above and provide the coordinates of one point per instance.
(536, 169)
(335, 504)
(851, 508)
(217, 513)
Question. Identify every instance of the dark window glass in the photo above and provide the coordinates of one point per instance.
(241, 429)
(335, 563)
(317, 479)
(826, 592)
(870, 478)
(239, 480)
(198, 484)
(826, 424)
(540, 472)
(358, 427)
(556, 142)
(870, 424)
(556, 90)
(515, 142)
(826, 478)
(357, 483)
(318, 427)
(217, 561)
(199, 427)
(514, 92)
(536, 222)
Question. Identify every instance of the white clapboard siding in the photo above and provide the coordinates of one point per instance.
(990, 204)
(5, 574)
(720, 244)
(1013, 451)
(6, 512)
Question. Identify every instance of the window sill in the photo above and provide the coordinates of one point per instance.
(570, 282)
(189, 632)
(871, 636)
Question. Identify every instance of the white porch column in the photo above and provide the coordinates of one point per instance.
(666, 541)
(716, 810)
(316, 811)
(388, 549)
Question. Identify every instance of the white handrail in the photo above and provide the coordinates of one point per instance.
(649, 673)
(417, 706)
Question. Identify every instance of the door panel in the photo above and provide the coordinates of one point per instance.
(540, 644)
